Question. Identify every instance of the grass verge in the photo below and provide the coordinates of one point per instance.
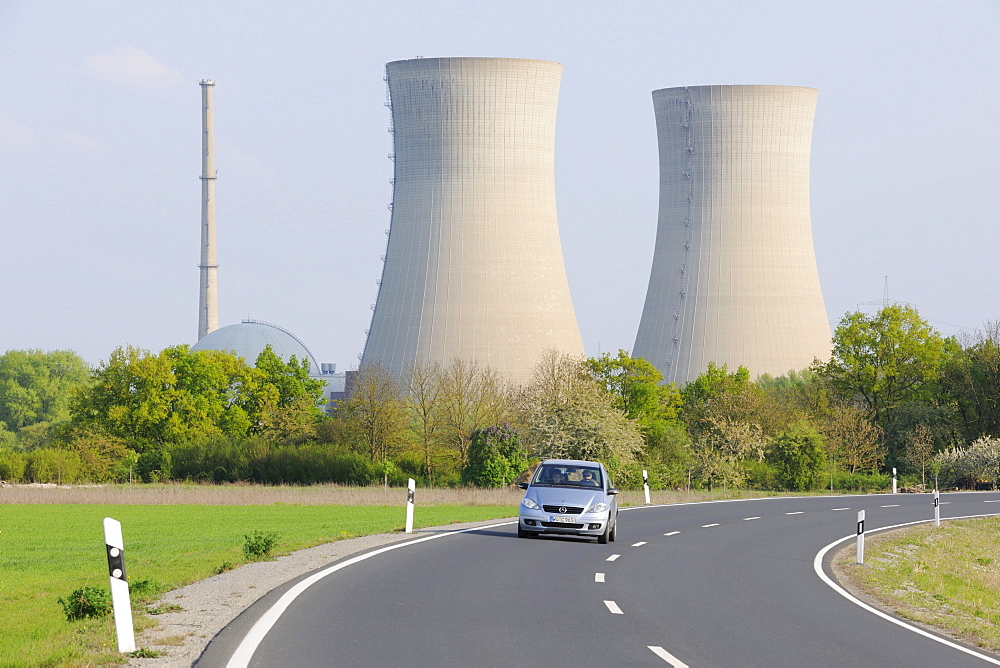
(945, 577)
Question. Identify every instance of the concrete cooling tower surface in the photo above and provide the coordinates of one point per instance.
(474, 266)
(734, 278)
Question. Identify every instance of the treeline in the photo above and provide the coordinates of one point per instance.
(895, 394)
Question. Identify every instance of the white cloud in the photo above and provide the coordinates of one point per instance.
(15, 135)
(133, 68)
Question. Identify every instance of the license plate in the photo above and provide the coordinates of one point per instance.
(563, 520)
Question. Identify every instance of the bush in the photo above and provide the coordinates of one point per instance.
(862, 481)
(258, 545)
(86, 602)
(796, 456)
(53, 465)
(761, 475)
(155, 465)
(496, 457)
(12, 465)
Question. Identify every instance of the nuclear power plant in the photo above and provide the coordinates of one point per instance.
(734, 278)
(473, 267)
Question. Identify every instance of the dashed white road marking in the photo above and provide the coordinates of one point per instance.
(672, 533)
(598, 577)
(667, 656)
(747, 519)
(890, 505)
(797, 512)
(993, 501)
(840, 509)
(705, 526)
(613, 607)
(613, 557)
(639, 544)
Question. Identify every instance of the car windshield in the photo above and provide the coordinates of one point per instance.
(567, 476)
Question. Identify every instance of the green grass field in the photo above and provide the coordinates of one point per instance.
(48, 551)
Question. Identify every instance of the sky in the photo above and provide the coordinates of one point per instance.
(100, 153)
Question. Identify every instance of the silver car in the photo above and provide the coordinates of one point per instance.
(569, 497)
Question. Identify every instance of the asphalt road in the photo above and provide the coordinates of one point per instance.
(708, 584)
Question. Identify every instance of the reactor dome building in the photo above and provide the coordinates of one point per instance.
(473, 267)
(734, 278)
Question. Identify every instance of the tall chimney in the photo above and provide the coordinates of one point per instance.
(208, 293)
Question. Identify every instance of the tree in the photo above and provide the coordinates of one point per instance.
(722, 446)
(495, 457)
(423, 399)
(854, 439)
(376, 407)
(634, 384)
(37, 386)
(921, 450)
(286, 401)
(972, 376)
(471, 397)
(718, 394)
(887, 358)
(567, 414)
(183, 395)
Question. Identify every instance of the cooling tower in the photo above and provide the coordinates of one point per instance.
(734, 278)
(473, 266)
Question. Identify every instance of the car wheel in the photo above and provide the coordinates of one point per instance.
(603, 538)
(521, 533)
(613, 536)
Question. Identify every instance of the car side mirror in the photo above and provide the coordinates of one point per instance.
(522, 485)
(612, 490)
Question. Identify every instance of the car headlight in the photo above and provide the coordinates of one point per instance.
(598, 508)
(528, 503)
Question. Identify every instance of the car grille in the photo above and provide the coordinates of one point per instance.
(570, 510)
(561, 525)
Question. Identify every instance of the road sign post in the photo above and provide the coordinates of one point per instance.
(115, 547)
(410, 491)
(645, 485)
(937, 508)
(894, 490)
(861, 537)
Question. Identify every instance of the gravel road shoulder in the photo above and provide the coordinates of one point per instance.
(210, 605)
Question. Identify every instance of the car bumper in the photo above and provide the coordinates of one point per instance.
(586, 524)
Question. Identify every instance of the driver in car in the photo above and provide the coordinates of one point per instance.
(588, 479)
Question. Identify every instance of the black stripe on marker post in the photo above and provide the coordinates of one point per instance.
(116, 562)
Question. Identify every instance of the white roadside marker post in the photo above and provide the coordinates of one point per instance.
(861, 537)
(894, 480)
(119, 585)
(937, 508)
(645, 485)
(410, 489)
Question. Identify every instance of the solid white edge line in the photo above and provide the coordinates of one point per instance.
(598, 577)
(667, 656)
(613, 607)
(818, 568)
(245, 651)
